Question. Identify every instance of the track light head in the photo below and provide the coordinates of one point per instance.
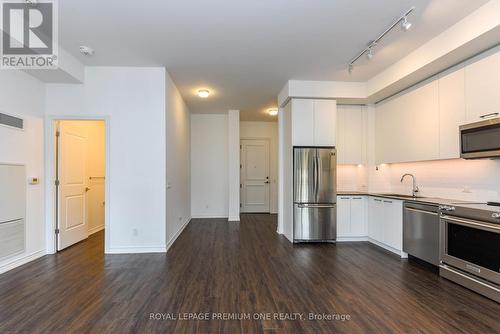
(370, 54)
(405, 24)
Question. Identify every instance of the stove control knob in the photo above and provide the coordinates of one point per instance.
(443, 207)
(451, 208)
(495, 215)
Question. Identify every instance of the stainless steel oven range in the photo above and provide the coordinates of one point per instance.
(470, 247)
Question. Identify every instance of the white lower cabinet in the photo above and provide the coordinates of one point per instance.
(351, 218)
(385, 223)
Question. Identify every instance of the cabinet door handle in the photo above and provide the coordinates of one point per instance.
(377, 200)
(387, 201)
(489, 115)
(356, 198)
(344, 197)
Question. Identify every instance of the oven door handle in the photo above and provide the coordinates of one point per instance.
(466, 222)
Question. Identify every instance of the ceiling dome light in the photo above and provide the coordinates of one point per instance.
(203, 93)
(273, 111)
(405, 24)
(86, 50)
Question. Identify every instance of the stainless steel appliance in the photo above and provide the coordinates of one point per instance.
(421, 231)
(315, 195)
(470, 247)
(481, 139)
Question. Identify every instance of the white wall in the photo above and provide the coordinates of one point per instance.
(209, 165)
(233, 160)
(23, 96)
(266, 130)
(133, 101)
(178, 162)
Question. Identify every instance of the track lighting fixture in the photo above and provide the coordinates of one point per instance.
(368, 51)
(405, 24)
(370, 54)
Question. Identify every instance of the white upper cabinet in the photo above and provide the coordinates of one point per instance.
(451, 112)
(325, 122)
(407, 126)
(302, 122)
(482, 79)
(351, 134)
(314, 122)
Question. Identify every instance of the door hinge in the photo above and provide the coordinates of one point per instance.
(241, 147)
(57, 183)
(58, 133)
(241, 166)
(57, 231)
(241, 205)
(241, 186)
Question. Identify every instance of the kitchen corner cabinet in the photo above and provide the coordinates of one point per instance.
(385, 223)
(351, 218)
(351, 134)
(482, 79)
(314, 122)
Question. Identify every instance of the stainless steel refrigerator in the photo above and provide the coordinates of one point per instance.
(315, 194)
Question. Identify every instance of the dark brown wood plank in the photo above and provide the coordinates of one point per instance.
(217, 266)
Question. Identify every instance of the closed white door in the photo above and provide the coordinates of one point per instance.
(72, 175)
(255, 178)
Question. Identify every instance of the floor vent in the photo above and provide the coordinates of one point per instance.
(11, 121)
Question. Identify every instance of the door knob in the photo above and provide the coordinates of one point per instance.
(266, 182)
(87, 189)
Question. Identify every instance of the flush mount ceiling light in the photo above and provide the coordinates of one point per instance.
(368, 51)
(273, 111)
(203, 93)
(86, 51)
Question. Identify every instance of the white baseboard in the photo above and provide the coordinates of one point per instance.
(402, 254)
(137, 250)
(234, 219)
(21, 260)
(209, 216)
(96, 229)
(176, 235)
(352, 239)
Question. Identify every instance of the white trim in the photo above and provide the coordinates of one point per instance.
(136, 249)
(21, 260)
(210, 216)
(96, 229)
(234, 219)
(176, 235)
(352, 239)
(389, 248)
(50, 240)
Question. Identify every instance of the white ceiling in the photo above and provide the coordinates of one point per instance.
(245, 51)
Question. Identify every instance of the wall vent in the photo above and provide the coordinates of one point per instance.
(11, 121)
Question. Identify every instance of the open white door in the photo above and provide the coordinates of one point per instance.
(72, 176)
(254, 175)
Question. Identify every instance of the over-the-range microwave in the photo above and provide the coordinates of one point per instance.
(480, 140)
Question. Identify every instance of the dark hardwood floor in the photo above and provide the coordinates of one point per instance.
(242, 268)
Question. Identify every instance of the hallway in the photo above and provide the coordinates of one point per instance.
(238, 268)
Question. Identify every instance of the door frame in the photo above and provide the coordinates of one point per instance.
(268, 168)
(50, 176)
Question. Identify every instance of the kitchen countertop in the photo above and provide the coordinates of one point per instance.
(427, 200)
